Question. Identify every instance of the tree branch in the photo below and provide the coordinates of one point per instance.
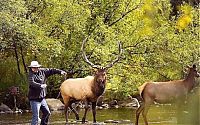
(124, 14)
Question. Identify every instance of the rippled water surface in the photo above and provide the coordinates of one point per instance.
(158, 115)
(184, 114)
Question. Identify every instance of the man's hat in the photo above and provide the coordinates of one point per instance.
(35, 64)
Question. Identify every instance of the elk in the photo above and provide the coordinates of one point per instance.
(164, 92)
(87, 89)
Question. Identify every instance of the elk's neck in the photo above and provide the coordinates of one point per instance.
(189, 81)
(98, 88)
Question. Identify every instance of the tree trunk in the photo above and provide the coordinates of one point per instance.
(23, 61)
(16, 56)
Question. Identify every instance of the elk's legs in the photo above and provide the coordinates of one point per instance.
(86, 109)
(74, 111)
(66, 112)
(144, 113)
(66, 102)
(147, 102)
(94, 111)
(138, 111)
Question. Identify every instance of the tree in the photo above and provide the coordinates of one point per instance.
(51, 31)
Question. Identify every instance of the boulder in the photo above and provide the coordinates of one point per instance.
(5, 109)
(134, 103)
(113, 103)
(55, 104)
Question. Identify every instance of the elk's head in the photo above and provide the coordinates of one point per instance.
(100, 74)
(193, 71)
(100, 77)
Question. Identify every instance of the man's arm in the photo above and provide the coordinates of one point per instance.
(51, 71)
(32, 83)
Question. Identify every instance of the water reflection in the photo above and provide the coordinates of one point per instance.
(158, 115)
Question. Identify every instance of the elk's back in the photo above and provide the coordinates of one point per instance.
(163, 92)
(78, 88)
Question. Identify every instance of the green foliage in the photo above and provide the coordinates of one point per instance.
(51, 31)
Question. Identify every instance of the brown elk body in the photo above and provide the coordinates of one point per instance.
(164, 92)
(87, 89)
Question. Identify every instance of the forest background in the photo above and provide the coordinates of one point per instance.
(155, 48)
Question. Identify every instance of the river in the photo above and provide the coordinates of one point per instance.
(170, 114)
(157, 115)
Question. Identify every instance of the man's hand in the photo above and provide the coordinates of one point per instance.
(43, 86)
(63, 73)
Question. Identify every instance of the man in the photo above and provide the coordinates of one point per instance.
(37, 91)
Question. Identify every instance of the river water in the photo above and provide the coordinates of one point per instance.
(157, 115)
(171, 114)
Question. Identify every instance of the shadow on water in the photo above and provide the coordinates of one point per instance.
(187, 114)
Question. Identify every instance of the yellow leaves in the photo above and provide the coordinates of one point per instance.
(186, 9)
(146, 31)
(186, 17)
(148, 8)
(148, 17)
(183, 22)
(137, 14)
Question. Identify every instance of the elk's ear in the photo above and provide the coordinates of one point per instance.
(94, 70)
(194, 66)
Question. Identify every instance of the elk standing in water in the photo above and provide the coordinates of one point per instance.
(163, 92)
(87, 89)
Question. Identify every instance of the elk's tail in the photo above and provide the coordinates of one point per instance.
(141, 89)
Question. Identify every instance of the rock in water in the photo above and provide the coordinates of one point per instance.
(4, 108)
(55, 104)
